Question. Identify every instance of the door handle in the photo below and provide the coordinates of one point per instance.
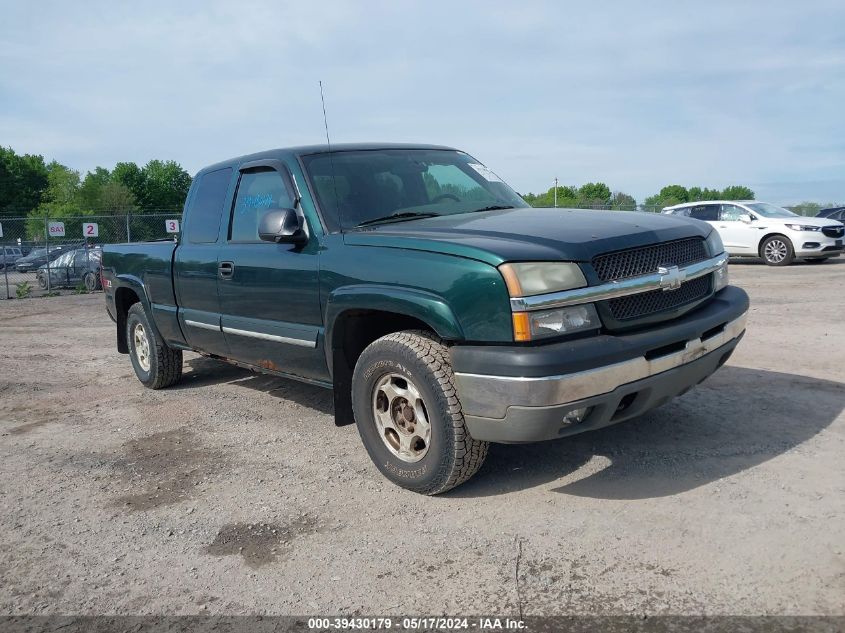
(226, 270)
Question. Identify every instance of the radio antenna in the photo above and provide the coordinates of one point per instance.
(331, 157)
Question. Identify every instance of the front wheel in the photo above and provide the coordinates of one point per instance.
(156, 365)
(408, 414)
(777, 251)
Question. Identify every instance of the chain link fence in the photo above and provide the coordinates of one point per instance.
(42, 256)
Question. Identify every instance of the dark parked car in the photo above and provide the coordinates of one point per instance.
(9, 255)
(37, 258)
(72, 268)
(833, 213)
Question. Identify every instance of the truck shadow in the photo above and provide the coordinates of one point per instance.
(756, 261)
(208, 371)
(737, 419)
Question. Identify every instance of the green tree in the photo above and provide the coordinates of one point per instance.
(622, 201)
(63, 184)
(566, 197)
(61, 203)
(594, 194)
(130, 176)
(23, 181)
(737, 192)
(165, 185)
(115, 197)
(92, 186)
(674, 194)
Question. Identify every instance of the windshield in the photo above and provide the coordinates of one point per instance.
(770, 210)
(38, 252)
(365, 187)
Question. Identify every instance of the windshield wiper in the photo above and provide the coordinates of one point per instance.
(492, 207)
(403, 215)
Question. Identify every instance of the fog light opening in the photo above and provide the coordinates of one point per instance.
(626, 402)
(576, 416)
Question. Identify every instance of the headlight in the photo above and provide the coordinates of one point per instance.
(714, 244)
(530, 326)
(537, 278)
(802, 227)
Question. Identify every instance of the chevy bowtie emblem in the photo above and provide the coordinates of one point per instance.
(671, 277)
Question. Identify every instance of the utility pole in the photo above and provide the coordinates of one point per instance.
(555, 192)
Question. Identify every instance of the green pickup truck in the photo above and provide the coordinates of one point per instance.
(442, 310)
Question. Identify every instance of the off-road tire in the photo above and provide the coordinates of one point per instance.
(788, 257)
(165, 363)
(453, 456)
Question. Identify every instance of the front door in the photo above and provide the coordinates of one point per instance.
(269, 294)
(739, 237)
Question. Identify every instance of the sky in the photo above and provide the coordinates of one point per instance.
(635, 94)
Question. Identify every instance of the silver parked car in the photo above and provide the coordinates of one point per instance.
(72, 268)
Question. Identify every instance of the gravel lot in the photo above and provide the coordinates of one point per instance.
(235, 493)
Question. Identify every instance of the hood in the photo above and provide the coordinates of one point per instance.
(530, 234)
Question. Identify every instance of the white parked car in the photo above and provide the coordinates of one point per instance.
(759, 229)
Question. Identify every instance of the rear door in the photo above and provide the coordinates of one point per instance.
(195, 266)
(708, 212)
(270, 296)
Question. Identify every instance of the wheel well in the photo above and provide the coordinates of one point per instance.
(352, 332)
(767, 236)
(124, 298)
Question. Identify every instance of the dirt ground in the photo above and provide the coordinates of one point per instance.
(235, 493)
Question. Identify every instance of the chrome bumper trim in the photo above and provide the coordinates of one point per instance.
(616, 289)
(490, 396)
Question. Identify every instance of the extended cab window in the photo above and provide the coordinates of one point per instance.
(706, 212)
(258, 190)
(204, 214)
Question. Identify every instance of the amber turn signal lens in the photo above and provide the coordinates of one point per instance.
(521, 327)
(511, 281)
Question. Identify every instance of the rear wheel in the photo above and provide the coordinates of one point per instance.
(156, 365)
(409, 416)
(42, 281)
(91, 282)
(777, 251)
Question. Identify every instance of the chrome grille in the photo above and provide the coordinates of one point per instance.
(646, 259)
(833, 231)
(646, 303)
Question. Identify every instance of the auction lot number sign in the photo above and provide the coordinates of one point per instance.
(56, 229)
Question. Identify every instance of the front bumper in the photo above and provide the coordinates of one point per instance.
(522, 394)
(818, 245)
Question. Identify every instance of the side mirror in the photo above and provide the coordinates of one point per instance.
(282, 226)
(745, 217)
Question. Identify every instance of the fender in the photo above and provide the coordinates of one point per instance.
(425, 306)
(137, 285)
